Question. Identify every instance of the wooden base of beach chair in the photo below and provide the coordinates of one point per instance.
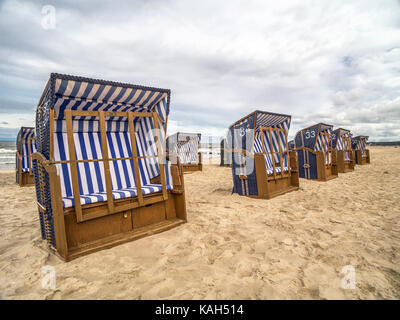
(270, 186)
(26, 179)
(344, 166)
(360, 160)
(324, 172)
(108, 231)
(99, 228)
(122, 237)
(75, 239)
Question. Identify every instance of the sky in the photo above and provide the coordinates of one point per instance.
(336, 62)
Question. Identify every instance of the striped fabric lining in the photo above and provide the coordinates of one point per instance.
(25, 154)
(275, 146)
(343, 143)
(91, 174)
(323, 144)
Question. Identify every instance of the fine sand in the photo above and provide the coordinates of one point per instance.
(233, 247)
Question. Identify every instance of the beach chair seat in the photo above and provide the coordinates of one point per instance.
(277, 170)
(117, 194)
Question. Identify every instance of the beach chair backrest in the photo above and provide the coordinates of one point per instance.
(273, 143)
(26, 146)
(91, 124)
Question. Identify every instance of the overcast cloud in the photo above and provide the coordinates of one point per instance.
(336, 62)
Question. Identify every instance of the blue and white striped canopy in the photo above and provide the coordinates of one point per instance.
(264, 119)
(79, 93)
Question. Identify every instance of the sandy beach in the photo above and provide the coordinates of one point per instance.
(233, 247)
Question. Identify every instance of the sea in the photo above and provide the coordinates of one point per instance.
(7, 154)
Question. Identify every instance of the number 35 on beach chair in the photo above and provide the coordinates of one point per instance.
(100, 170)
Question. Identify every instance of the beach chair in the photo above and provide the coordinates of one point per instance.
(100, 171)
(26, 146)
(341, 141)
(359, 145)
(225, 154)
(262, 165)
(315, 153)
(185, 147)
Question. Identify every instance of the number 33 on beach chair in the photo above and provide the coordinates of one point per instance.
(100, 170)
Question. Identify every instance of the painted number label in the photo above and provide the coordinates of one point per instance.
(310, 134)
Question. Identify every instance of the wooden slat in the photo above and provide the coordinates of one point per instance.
(261, 174)
(160, 157)
(288, 154)
(73, 166)
(104, 147)
(280, 151)
(58, 212)
(20, 163)
(135, 159)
